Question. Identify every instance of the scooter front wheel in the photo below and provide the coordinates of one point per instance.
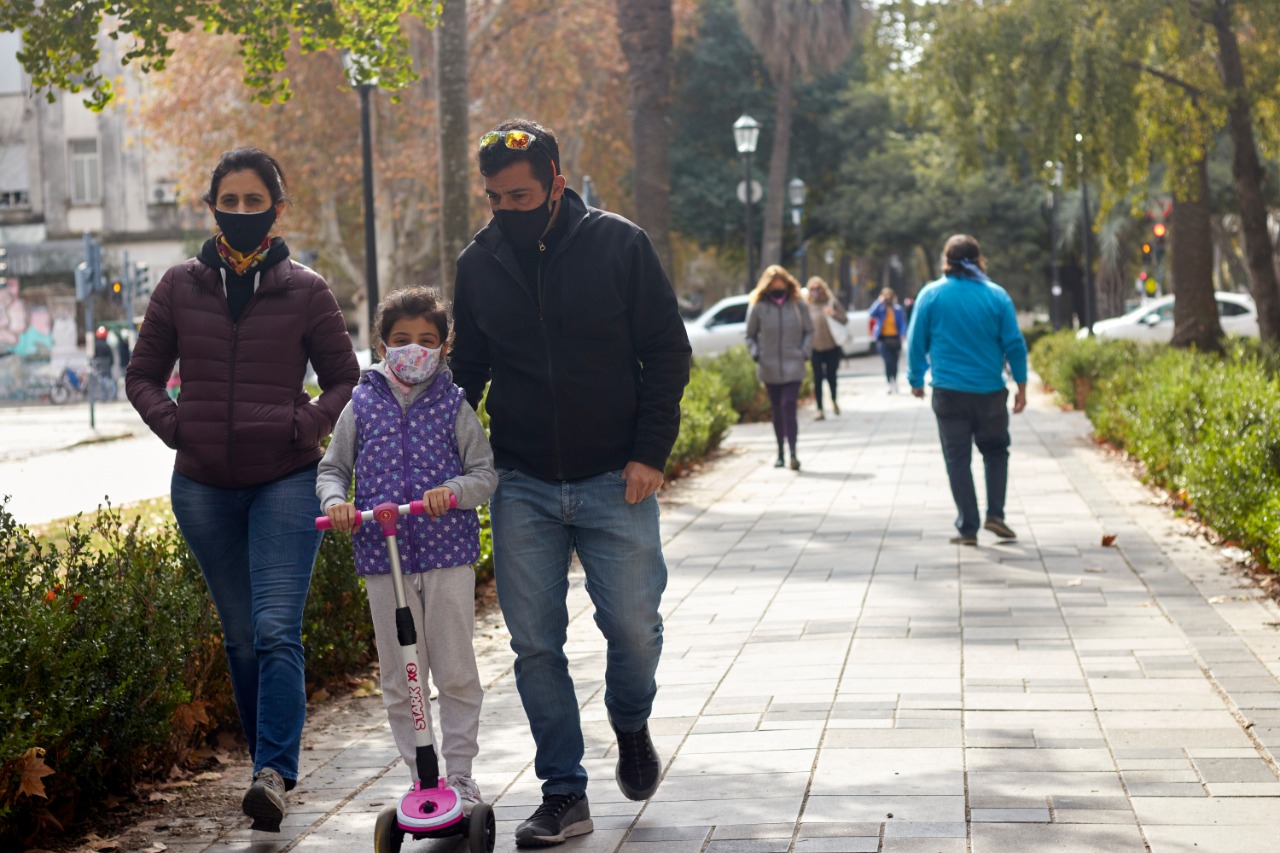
(387, 834)
(482, 833)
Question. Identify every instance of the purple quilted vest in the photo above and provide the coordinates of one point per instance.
(400, 453)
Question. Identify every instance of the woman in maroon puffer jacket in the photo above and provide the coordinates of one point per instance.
(244, 320)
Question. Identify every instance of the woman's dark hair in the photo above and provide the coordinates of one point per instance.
(543, 156)
(961, 247)
(413, 302)
(249, 160)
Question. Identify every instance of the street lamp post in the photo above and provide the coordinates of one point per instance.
(353, 65)
(795, 194)
(746, 132)
(1055, 287)
(1087, 230)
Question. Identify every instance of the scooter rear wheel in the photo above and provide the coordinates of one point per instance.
(59, 394)
(482, 833)
(387, 834)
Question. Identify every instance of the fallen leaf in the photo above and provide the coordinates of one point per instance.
(187, 717)
(95, 842)
(1076, 582)
(1093, 570)
(31, 771)
(208, 776)
(319, 696)
(158, 797)
(1108, 539)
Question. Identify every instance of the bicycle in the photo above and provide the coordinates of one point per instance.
(73, 385)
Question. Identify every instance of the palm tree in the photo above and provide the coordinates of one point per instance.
(645, 31)
(798, 40)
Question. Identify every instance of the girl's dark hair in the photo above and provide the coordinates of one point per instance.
(961, 247)
(543, 156)
(413, 302)
(248, 159)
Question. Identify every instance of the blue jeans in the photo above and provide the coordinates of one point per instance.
(537, 525)
(256, 547)
(964, 420)
(890, 349)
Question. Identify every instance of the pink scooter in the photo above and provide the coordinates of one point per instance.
(429, 810)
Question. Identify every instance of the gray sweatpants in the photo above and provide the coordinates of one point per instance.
(443, 605)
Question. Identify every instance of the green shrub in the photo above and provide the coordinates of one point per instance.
(1073, 367)
(101, 653)
(706, 413)
(746, 393)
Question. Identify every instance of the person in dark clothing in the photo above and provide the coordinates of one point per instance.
(566, 312)
(102, 359)
(245, 319)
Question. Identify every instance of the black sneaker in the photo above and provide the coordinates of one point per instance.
(559, 817)
(639, 767)
(999, 528)
(264, 801)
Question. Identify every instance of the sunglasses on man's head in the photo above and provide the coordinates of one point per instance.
(516, 140)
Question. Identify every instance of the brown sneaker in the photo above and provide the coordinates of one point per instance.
(264, 801)
(999, 528)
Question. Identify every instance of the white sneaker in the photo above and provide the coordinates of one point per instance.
(468, 791)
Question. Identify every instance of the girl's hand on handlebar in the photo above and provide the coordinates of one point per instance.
(436, 501)
(342, 516)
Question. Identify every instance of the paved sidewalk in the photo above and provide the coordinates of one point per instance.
(837, 678)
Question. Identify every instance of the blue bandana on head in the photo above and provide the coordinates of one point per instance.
(973, 269)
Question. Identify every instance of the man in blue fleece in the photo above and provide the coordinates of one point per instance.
(964, 330)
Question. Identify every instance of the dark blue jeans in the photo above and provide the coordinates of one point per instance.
(964, 420)
(890, 349)
(256, 547)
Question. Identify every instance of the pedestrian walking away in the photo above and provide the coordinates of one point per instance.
(245, 319)
(409, 434)
(890, 325)
(825, 309)
(963, 332)
(780, 338)
(565, 311)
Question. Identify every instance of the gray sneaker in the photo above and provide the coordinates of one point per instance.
(468, 791)
(559, 817)
(999, 528)
(264, 801)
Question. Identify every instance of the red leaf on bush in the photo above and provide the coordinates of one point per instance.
(1108, 539)
(31, 771)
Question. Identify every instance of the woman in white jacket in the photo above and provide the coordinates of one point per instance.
(780, 338)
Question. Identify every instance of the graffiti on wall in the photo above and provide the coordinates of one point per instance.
(26, 345)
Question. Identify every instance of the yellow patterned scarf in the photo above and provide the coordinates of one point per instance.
(238, 263)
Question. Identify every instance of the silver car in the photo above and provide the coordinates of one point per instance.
(724, 325)
(1153, 320)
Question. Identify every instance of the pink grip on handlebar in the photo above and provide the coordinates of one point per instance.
(415, 508)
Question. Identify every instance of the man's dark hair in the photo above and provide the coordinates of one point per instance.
(248, 160)
(413, 302)
(961, 247)
(543, 156)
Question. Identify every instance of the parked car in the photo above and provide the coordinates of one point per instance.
(724, 325)
(1153, 320)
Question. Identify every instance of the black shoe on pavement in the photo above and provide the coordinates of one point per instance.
(559, 817)
(999, 528)
(781, 462)
(264, 801)
(639, 768)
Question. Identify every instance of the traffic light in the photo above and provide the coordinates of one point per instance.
(142, 278)
(1158, 231)
(117, 289)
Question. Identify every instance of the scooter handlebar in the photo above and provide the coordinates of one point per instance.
(411, 508)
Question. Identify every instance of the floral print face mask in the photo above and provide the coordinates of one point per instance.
(413, 363)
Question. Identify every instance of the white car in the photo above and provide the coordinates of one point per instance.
(1153, 320)
(724, 325)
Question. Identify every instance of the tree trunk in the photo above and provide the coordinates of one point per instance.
(645, 30)
(455, 142)
(1247, 174)
(1195, 311)
(775, 191)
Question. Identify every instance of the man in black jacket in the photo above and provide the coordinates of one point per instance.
(566, 311)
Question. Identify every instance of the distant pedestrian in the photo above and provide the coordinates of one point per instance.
(408, 434)
(122, 351)
(245, 319)
(891, 325)
(963, 331)
(823, 309)
(780, 338)
(102, 357)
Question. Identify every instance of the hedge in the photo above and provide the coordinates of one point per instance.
(1204, 426)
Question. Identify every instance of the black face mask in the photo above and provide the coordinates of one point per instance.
(524, 228)
(245, 231)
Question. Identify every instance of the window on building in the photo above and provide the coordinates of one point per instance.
(10, 70)
(14, 187)
(86, 171)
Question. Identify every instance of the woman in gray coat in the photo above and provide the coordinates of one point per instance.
(780, 338)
